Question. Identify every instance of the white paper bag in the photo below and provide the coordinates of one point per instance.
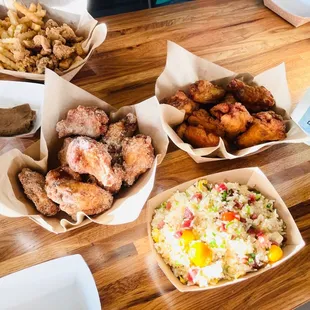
(82, 23)
(184, 68)
(60, 96)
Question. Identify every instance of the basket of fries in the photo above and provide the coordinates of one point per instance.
(36, 36)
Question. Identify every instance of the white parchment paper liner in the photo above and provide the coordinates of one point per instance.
(83, 24)
(60, 96)
(184, 68)
(253, 177)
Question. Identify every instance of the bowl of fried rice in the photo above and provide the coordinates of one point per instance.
(221, 229)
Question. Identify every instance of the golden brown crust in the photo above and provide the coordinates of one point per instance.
(203, 118)
(198, 137)
(267, 126)
(33, 184)
(180, 130)
(64, 186)
(138, 155)
(205, 92)
(255, 98)
(234, 118)
(182, 102)
(62, 154)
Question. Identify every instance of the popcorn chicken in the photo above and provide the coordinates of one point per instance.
(62, 51)
(42, 41)
(51, 24)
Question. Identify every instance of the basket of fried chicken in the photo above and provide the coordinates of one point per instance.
(93, 163)
(34, 36)
(214, 114)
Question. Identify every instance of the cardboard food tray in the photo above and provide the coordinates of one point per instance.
(179, 77)
(83, 24)
(253, 177)
(127, 204)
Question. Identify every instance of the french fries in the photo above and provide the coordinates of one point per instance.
(29, 42)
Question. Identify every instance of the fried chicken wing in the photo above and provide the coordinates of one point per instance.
(204, 92)
(64, 187)
(83, 121)
(138, 156)
(33, 184)
(180, 130)
(234, 118)
(198, 137)
(85, 155)
(229, 98)
(255, 98)
(182, 102)
(62, 154)
(203, 118)
(267, 126)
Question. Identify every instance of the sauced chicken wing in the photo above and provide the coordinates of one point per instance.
(182, 102)
(84, 121)
(255, 98)
(198, 137)
(204, 92)
(85, 155)
(138, 156)
(229, 98)
(267, 126)
(33, 184)
(180, 130)
(234, 117)
(62, 154)
(203, 118)
(64, 187)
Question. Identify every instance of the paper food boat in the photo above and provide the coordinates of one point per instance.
(83, 24)
(296, 12)
(184, 68)
(251, 177)
(60, 96)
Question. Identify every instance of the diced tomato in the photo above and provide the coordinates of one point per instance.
(178, 234)
(188, 214)
(252, 198)
(244, 260)
(187, 223)
(161, 224)
(252, 231)
(192, 274)
(229, 216)
(259, 233)
(238, 205)
(169, 205)
(242, 220)
(254, 216)
(223, 227)
(197, 196)
(221, 187)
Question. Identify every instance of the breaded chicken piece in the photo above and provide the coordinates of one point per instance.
(85, 155)
(41, 41)
(51, 24)
(126, 127)
(234, 118)
(229, 98)
(33, 184)
(62, 154)
(255, 98)
(198, 137)
(116, 132)
(54, 35)
(203, 118)
(44, 62)
(64, 187)
(83, 121)
(68, 34)
(204, 92)
(138, 156)
(267, 126)
(62, 51)
(180, 130)
(182, 102)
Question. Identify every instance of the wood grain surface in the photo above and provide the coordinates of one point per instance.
(241, 35)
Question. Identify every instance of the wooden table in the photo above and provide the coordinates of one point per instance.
(241, 35)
